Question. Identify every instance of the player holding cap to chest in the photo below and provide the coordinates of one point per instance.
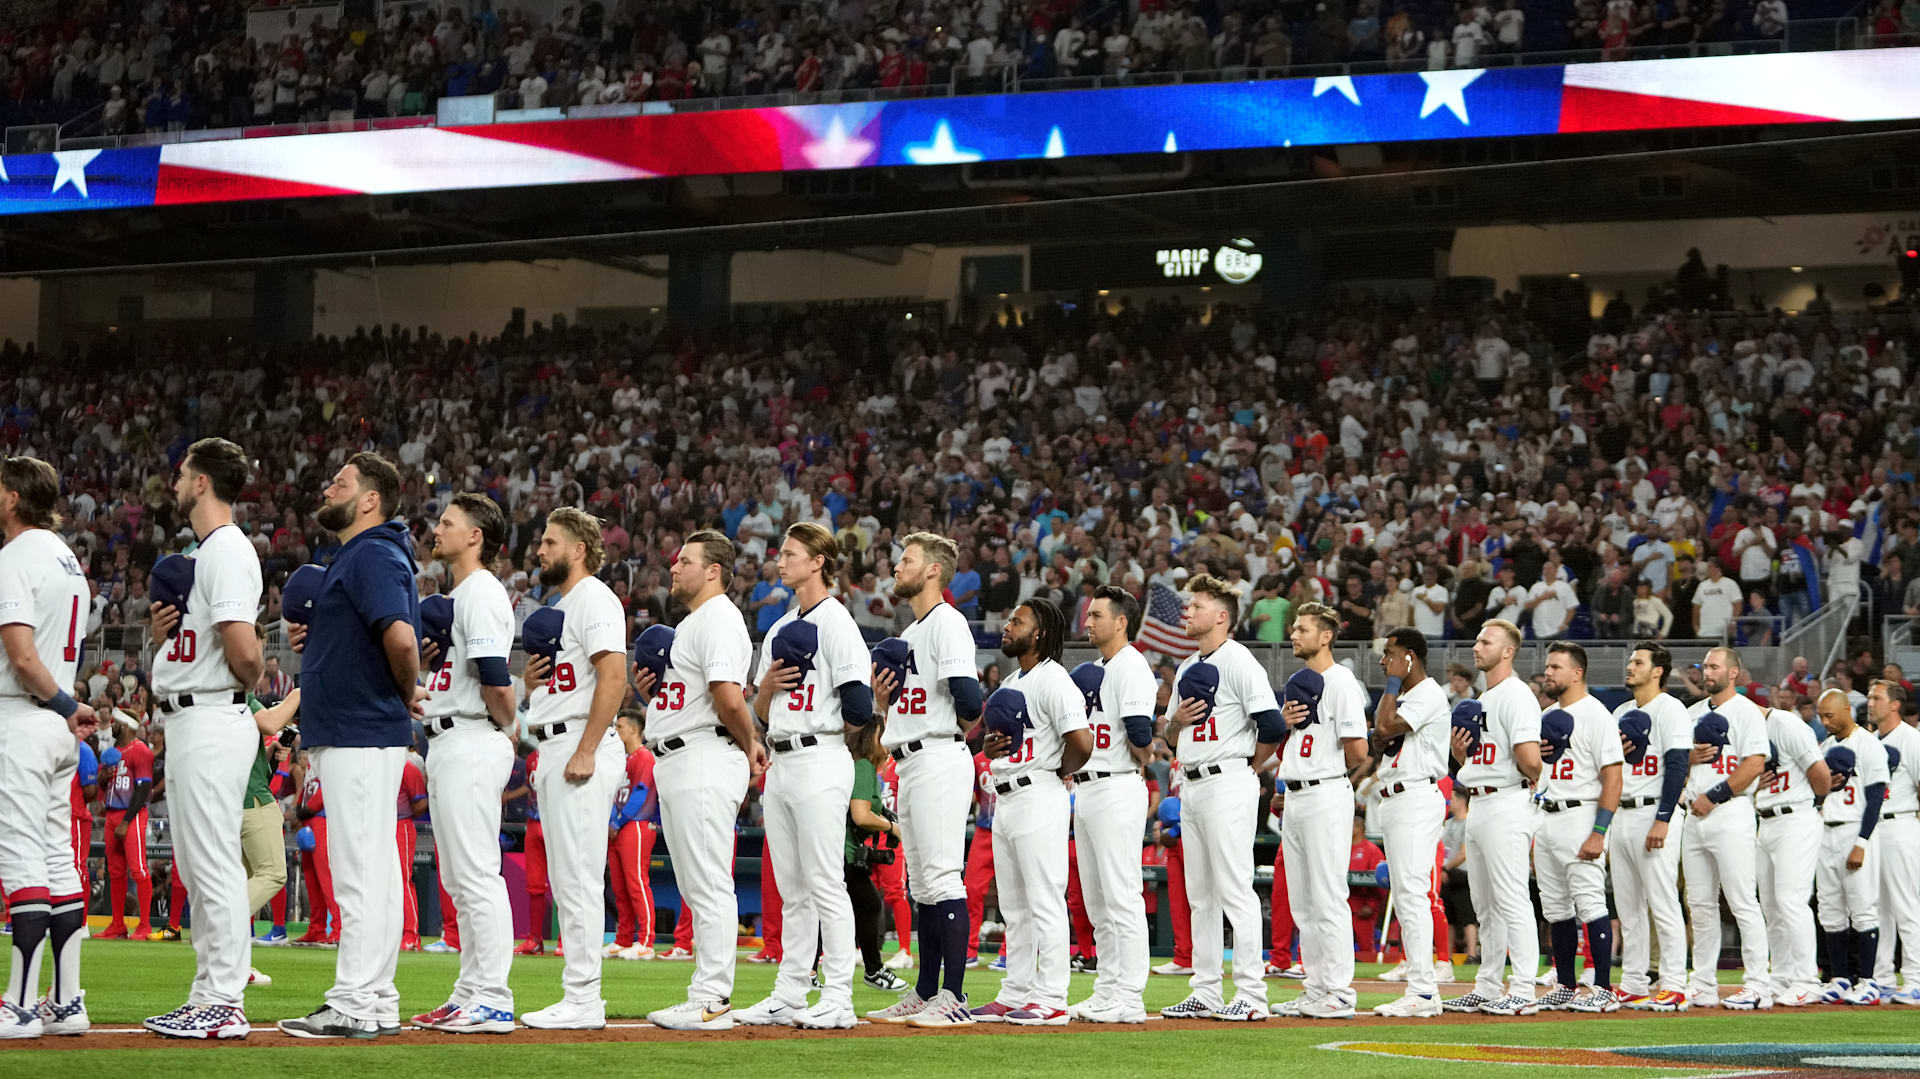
(470, 717)
(1110, 807)
(1579, 794)
(43, 593)
(929, 698)
(200, 674)
(1036, 733)
(1324, 739)
(1412, 726)
(576, 679)
(1789, 832)
(705, 750)
(1656, 738)
(1848, 876)
(1716, 854)
(1495, 770)
(814, 685)
(1899, 843)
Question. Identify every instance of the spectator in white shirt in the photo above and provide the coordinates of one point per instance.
(1469, 41)
(1755, 548)
(1430, 603)
(1510, 26)
(1714, 602)
(1507, 597)
(1552, 601)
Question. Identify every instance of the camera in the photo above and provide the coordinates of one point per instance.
(885, 850)
(288, 735)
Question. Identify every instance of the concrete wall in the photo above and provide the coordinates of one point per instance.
(477, 297)
(20, 310)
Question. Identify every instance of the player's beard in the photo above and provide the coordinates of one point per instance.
(907, 588)
(1015, 647)
(555, 575)
(1713, 688)
(335, 516)
(185, 506)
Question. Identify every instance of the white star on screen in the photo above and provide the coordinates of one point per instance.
(940, 151)
(1447, 89)
(72, 169)
(837, 149)
(1056, 146)
(1342, 83)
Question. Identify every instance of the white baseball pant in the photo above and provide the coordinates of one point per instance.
(1787, 846)
(1569, 887)
(1646, 889)
(573, 819)
(806, 822)
(1316, 834)
(467, 768)
(1109, 817)
(38, 756)
(210, 752)
(1848, 898)
(1716, 858)
(1899, 857)
(936, 788)
(1411, 821)
(361, 784)
(701, 787)
(1030, 871)
(1499, 833)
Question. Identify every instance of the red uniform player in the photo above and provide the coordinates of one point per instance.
(770, 950)
(1366, 901)
(635, 825)
(537, 891)
(127, 790)
(86, 787)
(323, 914)
(410, 803)
(892, 879)
(979, 856)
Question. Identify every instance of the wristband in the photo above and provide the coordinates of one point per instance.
(282, 775)
(1720, 793)
(1861, 843)
(1602, 818)
(61, 704)
(1393, 685)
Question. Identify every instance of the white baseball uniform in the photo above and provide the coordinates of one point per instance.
(1646, 883)
(212, 743)
(806, 805)
(1316, 837)
(1898, 837)
(42, 587)
(934, 765)
(573, 816)
(1789, 831)
(1500, 823)
(1716, 856)
(1569, 794)
(1412, 812)
(1030, 838)
(1109, 817)
(469, 760)
(1850, 898)
(702, 777)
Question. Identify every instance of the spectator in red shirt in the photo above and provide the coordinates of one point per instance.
(410, 804)
(1366, 901)
(893, 67)
(128, 782)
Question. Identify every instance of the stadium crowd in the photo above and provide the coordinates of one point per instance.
(159, 67)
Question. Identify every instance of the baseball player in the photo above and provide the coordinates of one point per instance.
(1899, 844)
(1323, 740)
(200, 674)
(632, 831)
(1788, 832)
(409, 803)
(1656, 739)
(815, 682)
(575, 679)
(85, 788)
(706, 749)
(1036, 732)
(1412, 726)
(471, 720)
(1848, 879)
(43, 596)
(1110, 807)
(539, 892)
(129, 784)
(938, 694)
(979, 865)
(323, 911)
(1498, 759)
(1716, 852)
(1579, 794)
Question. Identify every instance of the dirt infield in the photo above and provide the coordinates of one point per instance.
(265, 1036)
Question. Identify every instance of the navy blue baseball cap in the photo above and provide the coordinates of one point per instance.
(1089, 676)
(436, 623)
(1711, 730)
(1006, 713)
(1637, 728)
(541, 635)
(1200, 682)
(1773, 757)
(653, 650)
(302, 589)
(1306, 686)
(1841, 761)
(892, 654)
(796, 644)
(1893, 759)
(170, 583)
(1470, 716)
(1556, 733)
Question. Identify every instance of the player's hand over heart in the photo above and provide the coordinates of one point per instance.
(1461, 745)
(644, 683)
(296, 637)
(996, 745)
(1192, 710)
(163, 618)
(780, 678)
(1295, 713)
(1703, 753)
(539, 669)
(885, 683)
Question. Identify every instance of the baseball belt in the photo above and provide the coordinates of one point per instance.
(1639, 803)
(1203, 770)
(800, 741)
(679, 742)
(1559, 807)
(1477, 791)
(918, 744)
(170, 705)
(1402, 788)
(1780, 811)
(1012, 785)
(439, 725)
(1088, 777)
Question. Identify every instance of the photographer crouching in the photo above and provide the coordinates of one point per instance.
(868, 819)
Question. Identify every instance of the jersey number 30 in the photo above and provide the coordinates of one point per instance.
(184, 647)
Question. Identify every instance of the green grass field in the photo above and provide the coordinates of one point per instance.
(129, 981)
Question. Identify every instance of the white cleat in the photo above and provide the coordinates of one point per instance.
(610, 951)
(825, 1016)
(568, 1015)
(1111, 1011)
(1190, 1008)
(908, 1006)
(71, 1018)
(1397, 974)
(1240, 1010)
(254, 978)
(637, 951)
(1596, 1000)
(679, 955)
(1411, 1006)
(1749, 999)
(1443, 973)
(1172, 968)
(900, 960)
(692, 1015)
(771, 1012)
(17, 1022)
(1327, 1007)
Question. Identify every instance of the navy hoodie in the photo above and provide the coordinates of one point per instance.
(347, 693)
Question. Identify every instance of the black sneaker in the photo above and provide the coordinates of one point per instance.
(1084, 964)
(887, 980)
(327, 1023)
